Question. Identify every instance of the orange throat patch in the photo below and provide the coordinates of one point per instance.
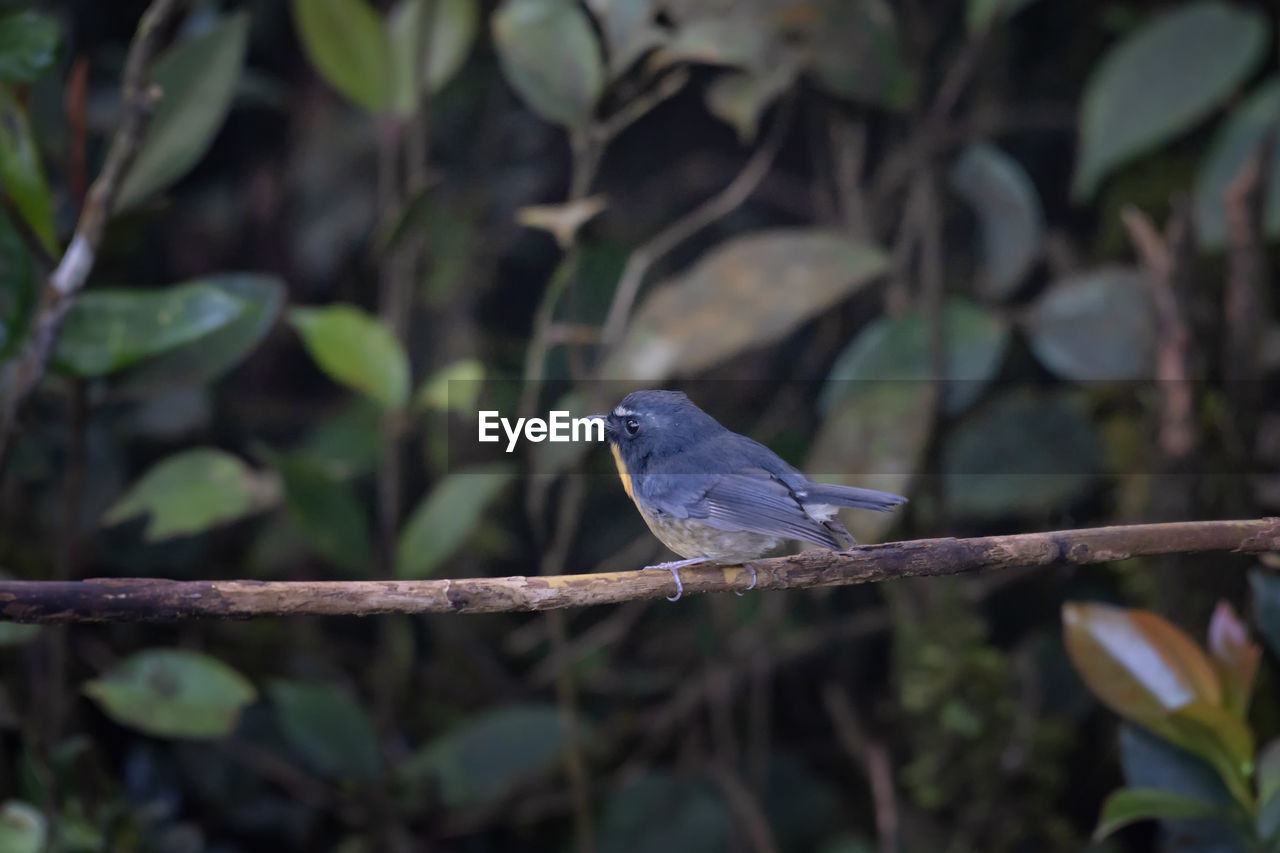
(622, 471)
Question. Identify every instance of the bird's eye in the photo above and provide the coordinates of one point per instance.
(633, 426)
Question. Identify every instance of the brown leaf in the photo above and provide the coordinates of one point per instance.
(1234, 657)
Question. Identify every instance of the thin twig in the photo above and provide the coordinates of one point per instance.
(874, 758)
(151, 599)
(73, 270)
(718, 206)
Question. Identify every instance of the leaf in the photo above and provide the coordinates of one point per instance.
(562, 221)
(356, 350)
(1025, 452)
(174, 694)
(728, 302)
(452, 388)
(197, 79)
(981, 14)
(331, 517)
(452, 33)
(23, 828)
(1266, 606)
(193, 491)
(1096, 325)
(21, 172)
(347, 43)
(1234, 657)
(739, 99)
(629, 30)
(1236, 139)
(328, 727)
(660, 813)
(483, 760)
(875, 435)
(1130, 805)
(446, 518)
(1226, 742)
(106, 330)
(1137, 663)
(1005, 201)
(549, 54)
(1151, 762)
(349, 443)
(1269, 771)
(734, 41)
(857, 54)
(213, 355)
(1162, 80)
(28, 45)
(896, 350)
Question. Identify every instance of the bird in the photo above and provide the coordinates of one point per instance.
(712, 495)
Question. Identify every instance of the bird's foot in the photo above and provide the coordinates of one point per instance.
(754, 577)
(674, 568)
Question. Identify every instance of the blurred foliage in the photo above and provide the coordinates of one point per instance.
(350, 224)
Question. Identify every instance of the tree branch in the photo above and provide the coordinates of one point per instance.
(69, 276)
(150, 599)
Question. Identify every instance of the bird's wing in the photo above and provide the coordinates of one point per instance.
(753, 499)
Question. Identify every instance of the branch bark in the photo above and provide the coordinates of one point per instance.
(69, 276)
(153, 600)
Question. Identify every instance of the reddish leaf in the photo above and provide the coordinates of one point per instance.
(1136, 663)
(1234, 657)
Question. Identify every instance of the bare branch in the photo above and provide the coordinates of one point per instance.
(73, 270)
(150, 599)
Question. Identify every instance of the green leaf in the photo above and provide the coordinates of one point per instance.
(331, 517)
(452, 33)
(452, 388)
(349, 443)
(1096, 325)
(328, 727)
(739, 99)
(897, 350)
(193, 491)
(481, 761)
(1161, 81)
(659, 813)
(106, 330)
(356, 350)
(875, 436)
(1266, 606)
(857, 54)
(549, 54)
(1000, 193)
(1130, 805)
(1235, 141)
(629, 30)
(347, 42)
(19, 286)
(981, 14)
(446, 518)
(21, 172)
(1026, 452)
(28, 45)
(213, 355)
(1152, 762)
(197, 79)
(172, 693)
(734, 289)
(1269, 790)
(23, 828)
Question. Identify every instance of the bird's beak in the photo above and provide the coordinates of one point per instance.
(608, 426)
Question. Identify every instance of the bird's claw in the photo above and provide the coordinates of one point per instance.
(674, 568)
(754, 578)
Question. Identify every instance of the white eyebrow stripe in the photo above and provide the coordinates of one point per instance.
(620, 412)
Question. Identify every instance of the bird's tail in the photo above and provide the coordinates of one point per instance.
(829, 493)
